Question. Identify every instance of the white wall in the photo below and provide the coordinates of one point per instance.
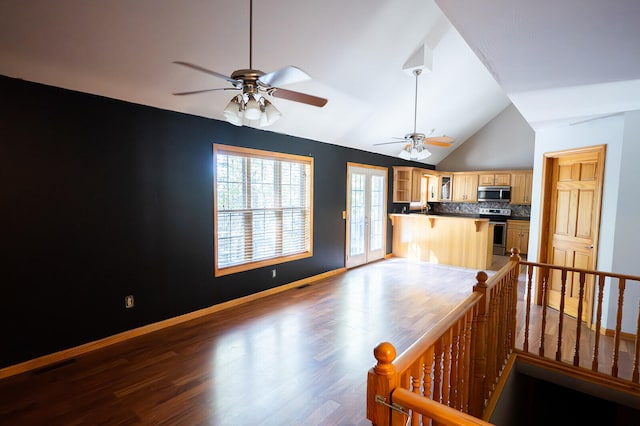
(506, 142)
(627, 230)
(619, 232)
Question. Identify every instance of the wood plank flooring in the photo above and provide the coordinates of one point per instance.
(296, 358)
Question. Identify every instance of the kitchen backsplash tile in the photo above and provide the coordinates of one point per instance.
(517, 210)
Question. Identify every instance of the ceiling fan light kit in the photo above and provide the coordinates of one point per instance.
(252, 106)
(239, 110)
(415, 142)
(414, 152)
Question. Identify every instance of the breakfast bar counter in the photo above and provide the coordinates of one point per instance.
(442, 239)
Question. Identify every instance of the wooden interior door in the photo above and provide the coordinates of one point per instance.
(573, 226)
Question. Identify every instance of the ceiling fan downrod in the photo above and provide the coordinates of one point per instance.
(417, 72)
(250, 34)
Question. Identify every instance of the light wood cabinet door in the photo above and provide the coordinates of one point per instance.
(416, 185)
(485, 179)
(465, 187)
(433, 188)
(500, 179)
(521, 187)
(445, 183)
(518, 235)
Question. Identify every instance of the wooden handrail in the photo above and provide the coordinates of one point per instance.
(403, 362)
(440, 413)
(451, 372)
(545, 314)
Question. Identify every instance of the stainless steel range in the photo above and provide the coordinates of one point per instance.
(497, 217)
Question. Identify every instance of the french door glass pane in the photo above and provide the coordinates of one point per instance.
(357, 219)
(376, 213)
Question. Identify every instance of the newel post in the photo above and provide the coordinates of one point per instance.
(479, 348)
(381, 381)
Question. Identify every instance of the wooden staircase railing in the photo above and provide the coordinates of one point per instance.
(575, 342)
(448, 376)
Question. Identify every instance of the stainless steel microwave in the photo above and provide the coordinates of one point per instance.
(500, 194)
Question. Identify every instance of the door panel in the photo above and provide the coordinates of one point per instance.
(585, 214)
(366, 214)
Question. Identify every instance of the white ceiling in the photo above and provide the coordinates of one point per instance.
(354, 50)
(557, 61)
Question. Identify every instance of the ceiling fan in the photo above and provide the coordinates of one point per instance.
(415, 142)
(252, 105)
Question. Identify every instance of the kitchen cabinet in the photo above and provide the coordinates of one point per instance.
(433, 187)
(417, 176)
(407, 184)
(494, 179)
(445, 183)
(402, 184)
(438, 186)
(521, 186)
(518, 235)
(465, 187)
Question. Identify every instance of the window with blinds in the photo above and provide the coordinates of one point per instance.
(262, 208)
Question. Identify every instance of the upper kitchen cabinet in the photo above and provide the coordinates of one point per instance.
(417, 178)
(407, 183)
(465, 187)
(521, 186)
(402, 184)
(490, 179)
(438, 186)
(445, 183)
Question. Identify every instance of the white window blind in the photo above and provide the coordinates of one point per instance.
(262, 206)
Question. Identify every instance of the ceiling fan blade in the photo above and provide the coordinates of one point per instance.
(389, 143)
(444, 141)
(298, 97)
(443, 138)
(206, 71)
(284, 76)
(193, 92)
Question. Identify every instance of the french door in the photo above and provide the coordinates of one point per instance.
(366, 214)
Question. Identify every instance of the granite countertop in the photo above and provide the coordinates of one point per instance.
(468, 215)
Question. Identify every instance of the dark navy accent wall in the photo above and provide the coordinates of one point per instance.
(102, 198)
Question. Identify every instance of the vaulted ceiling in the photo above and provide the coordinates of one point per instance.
(548, 58)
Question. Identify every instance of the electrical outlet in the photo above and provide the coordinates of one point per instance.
(128, 301)
(273, 273)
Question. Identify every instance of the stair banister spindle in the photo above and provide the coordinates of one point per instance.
(616, 347)
(545, 283)
(527, 320)
(576, 352)
(636, 355)
(563, 291)
(596, 352)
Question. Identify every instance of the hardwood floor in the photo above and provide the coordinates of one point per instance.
(296, 358)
